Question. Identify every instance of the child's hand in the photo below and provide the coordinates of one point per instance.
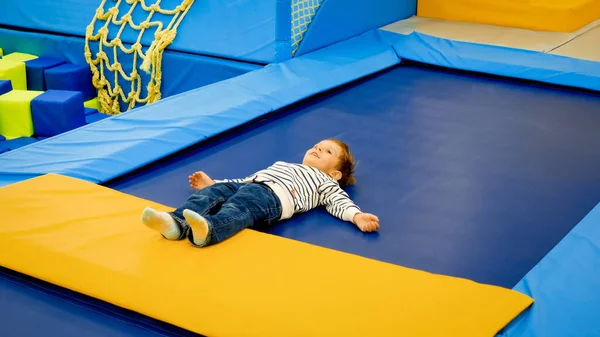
(366, 222)
(200, 180)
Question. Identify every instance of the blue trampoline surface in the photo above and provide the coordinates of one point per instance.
(471, 177)
(29, 307)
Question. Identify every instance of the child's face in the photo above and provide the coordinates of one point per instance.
(325, 157)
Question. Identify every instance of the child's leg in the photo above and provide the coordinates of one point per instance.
(205, 201)
(252, 205)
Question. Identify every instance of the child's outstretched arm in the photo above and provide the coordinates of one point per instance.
(338, 203)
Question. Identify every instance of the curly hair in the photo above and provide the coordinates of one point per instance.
(346, 164)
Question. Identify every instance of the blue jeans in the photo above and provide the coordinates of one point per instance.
(229, 208)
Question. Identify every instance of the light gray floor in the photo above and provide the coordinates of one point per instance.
(583, 43)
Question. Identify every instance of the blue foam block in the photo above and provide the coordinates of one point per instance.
(57, 111)
(90, 111)
(5, 86)
(36, 79)
(71, 77)
(9, 145)
(2, 138)
(94, 117)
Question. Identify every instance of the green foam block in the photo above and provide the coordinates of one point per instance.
(21, 57)
(92, 103)
(14, 71)
(15, 113)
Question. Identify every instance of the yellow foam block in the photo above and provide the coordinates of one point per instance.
(14, 71)
(15, 113)
(550, 15)
(89, 238)
(92, 103)
(1, 52)
(21, 57)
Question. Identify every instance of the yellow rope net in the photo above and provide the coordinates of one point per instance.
(303, 11)
(110, 97)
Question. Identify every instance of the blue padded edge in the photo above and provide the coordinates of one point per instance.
(496, 60)
(133, 139)
(565, 286)
(238, 29)
(181, 72)
(338, 20)
(283, 32)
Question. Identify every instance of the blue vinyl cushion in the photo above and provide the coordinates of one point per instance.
(74, 77)
(36, 68)
(57, 111)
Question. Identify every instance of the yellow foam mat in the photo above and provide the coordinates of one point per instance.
(89, 239)
(550, 15)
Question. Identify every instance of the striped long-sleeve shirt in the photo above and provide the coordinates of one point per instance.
(301, 188)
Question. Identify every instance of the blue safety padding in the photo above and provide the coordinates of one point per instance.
(133, 139)
(338, 20)
(5, 86)
(71, 77)
(565, 286)
(283, 31)
(180, 72)
(57, 111)
(15, 143)
(36, 80)
(497, 60)
(244, 30)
